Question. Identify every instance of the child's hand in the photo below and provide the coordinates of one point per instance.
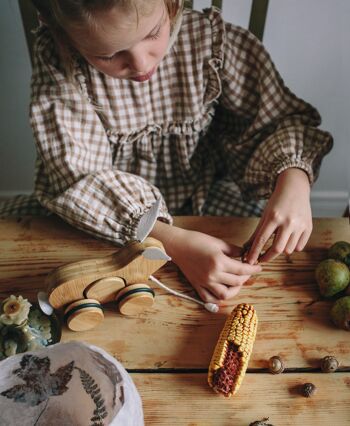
(287, 216)
(207, 263)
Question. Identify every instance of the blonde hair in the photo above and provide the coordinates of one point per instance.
(58, 13)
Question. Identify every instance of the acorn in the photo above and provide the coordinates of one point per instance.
(329, 364)
(276, 365)
(261, 422)
(308, 390)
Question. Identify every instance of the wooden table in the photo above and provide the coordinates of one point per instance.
(167, 349)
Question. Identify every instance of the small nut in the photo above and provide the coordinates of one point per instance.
(329, 364)
(276, 365)
(308, 389)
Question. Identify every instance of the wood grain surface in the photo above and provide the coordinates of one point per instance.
(185, 399)
(168, 347)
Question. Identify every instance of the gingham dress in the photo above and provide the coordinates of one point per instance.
(207, 134)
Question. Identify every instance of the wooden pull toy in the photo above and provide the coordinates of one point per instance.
(82, 287)
(102, 278)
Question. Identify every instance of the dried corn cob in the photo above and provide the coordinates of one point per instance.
(232, 352)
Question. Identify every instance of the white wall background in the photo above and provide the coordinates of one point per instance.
(308, 40)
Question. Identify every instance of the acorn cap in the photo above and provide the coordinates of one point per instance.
(329, 364)
(308, 390)
(83, 314)
(134, 299)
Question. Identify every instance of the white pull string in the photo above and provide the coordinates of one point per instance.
(211, 307)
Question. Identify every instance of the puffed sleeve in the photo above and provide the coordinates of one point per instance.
(76, 178)
(272, 128)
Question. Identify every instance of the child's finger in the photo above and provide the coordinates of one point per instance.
(292, 243)
(232, 280)
(250, 240)
(303, 240)
(278, 246)
(207, 296)
(233, 291)
(232, 250)
(236, 267)
(259, 226)
(260, 240)
(247, 245)
(223, 292)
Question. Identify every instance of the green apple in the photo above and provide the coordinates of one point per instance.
(340, 251)
(332, 277)
(340, 313)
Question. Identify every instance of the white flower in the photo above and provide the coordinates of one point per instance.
(14, 310)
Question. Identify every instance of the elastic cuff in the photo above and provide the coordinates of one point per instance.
(298, 164)
(263, 190)
(165, 217)
(146, 223)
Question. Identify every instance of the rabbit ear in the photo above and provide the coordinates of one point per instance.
(147, 221)
(155, 253)
(44, 303)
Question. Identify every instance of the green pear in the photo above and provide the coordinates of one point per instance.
(340, 313)
(340, 251)
(332, 277)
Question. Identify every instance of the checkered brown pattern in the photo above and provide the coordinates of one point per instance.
(208, 133)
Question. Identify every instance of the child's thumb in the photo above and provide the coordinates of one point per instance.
(232, 250)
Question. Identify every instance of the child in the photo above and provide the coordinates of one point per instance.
(134, 101)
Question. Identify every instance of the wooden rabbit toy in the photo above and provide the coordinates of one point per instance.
(82, 287)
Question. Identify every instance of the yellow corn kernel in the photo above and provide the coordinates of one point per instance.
(233, 349)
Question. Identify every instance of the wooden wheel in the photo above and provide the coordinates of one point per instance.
(105, 289)
(83, 314)
(134, 299)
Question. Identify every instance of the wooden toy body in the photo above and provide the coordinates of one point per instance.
(67, 283)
